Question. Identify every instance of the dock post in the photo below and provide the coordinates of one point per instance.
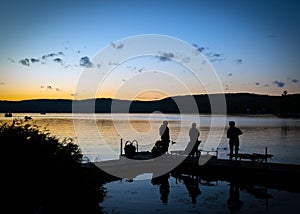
(266, 155)
(121, 146)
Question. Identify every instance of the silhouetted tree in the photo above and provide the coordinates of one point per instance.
(284, 104)
(43, 175)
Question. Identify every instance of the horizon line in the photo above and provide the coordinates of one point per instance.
(140, 100)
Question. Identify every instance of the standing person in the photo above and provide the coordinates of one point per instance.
(165, 135)
(233, 135)
(194, 133)
(194, 142)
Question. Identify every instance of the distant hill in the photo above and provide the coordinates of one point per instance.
(240, 103)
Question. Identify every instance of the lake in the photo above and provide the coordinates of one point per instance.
(194, 195)
(99, 138)
(99, 135)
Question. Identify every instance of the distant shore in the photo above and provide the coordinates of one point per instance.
(240, 103)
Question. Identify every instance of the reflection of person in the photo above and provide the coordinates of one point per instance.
(233, 135)
(233, 202)
(164, 187)
(165, 135)
(192, 185)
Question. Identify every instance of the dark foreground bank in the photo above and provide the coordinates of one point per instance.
(45, 175)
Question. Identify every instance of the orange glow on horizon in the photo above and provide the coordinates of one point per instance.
(19, 95)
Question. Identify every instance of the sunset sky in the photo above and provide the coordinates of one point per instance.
(253, 46)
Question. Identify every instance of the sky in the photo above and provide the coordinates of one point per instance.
(252, 46)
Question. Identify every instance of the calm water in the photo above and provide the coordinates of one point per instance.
(99, 137)
(195, 196)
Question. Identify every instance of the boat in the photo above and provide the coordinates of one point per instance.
(26, 118)
(43, 113)
(8, 114)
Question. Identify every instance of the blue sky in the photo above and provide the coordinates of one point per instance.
(252, 45)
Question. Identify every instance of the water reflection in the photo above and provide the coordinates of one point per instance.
(164, 187)
(181, 192)
(191, 183)
(234, 203)
(284, 128)
(280, 135)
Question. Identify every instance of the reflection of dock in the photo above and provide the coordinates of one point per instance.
(276, 175)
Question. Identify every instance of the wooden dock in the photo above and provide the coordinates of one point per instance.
(276, 175)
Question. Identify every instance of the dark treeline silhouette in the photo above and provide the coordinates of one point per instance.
(40, 174)
(241, 103)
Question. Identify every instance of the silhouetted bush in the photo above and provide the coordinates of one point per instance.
(41, 174)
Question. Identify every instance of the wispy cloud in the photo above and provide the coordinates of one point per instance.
(217, 55)
(34, 60)
(24, 62)
(117, 45)
(85, 62)
(140, 70)
(45, 88)
(42, 59)
(239, 61)
(292, 80)
(11, 60)
(58, 60)
(226, 87)
(186, 59)
(211, 56)
(50, 55)
(198, 48)
(279, 84)
(164, 56)
(74, 94)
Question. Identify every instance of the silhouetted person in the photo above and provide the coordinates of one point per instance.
(194, 133)
(233, 135)
(233, 202)
(165, 135)
(194, 143)
(164, 187)
(192, 185)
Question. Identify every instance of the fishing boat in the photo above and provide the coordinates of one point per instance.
(8, 114)
(26, 118)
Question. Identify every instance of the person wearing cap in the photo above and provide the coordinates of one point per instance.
(233, 134)
(194, 141)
